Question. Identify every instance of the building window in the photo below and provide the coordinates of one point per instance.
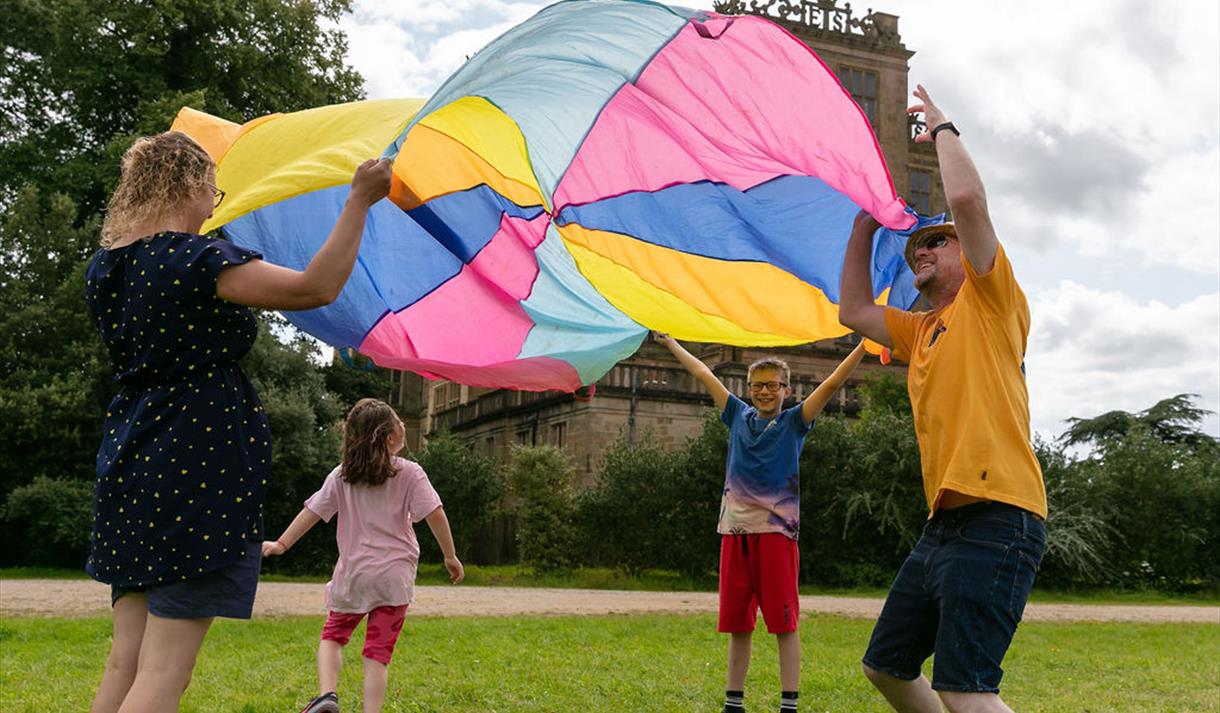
(489, 446)
(523, 437)
(446, 395)
(559, 432)
(862, 85)
(920, 193)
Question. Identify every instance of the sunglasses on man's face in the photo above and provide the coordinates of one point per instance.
(936, 241)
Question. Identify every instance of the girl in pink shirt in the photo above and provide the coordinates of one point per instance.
(377, 496)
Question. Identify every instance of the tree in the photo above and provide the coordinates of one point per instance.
(305, 434)
(54, 517)
(470, 486)
(541, 480)
(1172, 420)
(627, 517)
(1163, 503)
(351, 384)
(81, 79)
(84, 76)
(1153, 480)
(1079, 533)
(862, 500)
(700, 482)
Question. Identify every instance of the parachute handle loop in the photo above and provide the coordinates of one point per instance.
(706, 32)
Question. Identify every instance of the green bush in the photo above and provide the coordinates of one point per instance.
(694, 543)
(1078, 532)
(52, 519)
(636, 517)
(541, 481)
(305, 432)
(470, 486)
(1164, 499)
(862, 500)
(658, 509)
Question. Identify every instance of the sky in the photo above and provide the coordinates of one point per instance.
(1096, 128)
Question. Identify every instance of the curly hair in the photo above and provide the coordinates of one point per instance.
(366, 457)
(158, 174)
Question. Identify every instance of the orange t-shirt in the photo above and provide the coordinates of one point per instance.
(967, 386)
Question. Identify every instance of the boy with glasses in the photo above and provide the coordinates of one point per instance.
(760, 511)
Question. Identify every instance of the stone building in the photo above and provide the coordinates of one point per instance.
(651, 392)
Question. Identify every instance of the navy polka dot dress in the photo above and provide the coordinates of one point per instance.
(186, 451)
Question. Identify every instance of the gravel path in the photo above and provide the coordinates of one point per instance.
(51, 597)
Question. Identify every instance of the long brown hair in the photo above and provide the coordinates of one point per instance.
(366, 457)
(159, 173)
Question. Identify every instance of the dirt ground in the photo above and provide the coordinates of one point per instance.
(72, 598)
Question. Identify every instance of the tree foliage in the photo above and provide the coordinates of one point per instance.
(84, 76)
(54, 517)
(637, 516)
(470, 486)
(79, 81)
(1172, 420)
(1143, 510)
(540, 478)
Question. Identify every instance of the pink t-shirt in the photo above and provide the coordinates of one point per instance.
(378, 552)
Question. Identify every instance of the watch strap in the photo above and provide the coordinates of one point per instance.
(947, 126)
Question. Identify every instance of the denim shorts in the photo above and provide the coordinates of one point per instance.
(960, 594)
(228, 591)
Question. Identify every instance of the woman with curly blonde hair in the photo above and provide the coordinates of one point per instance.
(186, 452)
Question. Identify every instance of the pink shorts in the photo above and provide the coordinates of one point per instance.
(380, 634)
(758, 571)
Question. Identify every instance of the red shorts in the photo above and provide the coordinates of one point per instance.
(758, 571)
(379, 636)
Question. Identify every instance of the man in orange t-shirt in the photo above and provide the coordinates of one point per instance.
(963, 588)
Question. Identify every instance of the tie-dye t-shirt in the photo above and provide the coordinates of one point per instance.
(762, 484)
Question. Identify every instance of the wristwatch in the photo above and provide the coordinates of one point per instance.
(947, 126)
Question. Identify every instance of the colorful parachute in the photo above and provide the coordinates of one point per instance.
(606, 168)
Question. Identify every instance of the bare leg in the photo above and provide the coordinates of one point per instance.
(167, 658)
(130, 613)
(330, 660)
(905, 696)
(375, 677)
(973, 702)
(789, 660)
(739, 659)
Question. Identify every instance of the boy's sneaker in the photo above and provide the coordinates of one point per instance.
(325, 703)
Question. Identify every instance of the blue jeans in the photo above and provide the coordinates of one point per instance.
(228, 591)
(960, 594)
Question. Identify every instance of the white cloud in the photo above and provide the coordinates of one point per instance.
(1096, 126)
(408, 49)
(1092, 351)
(1092, 123)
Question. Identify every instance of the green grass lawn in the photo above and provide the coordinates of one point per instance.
(616, 663)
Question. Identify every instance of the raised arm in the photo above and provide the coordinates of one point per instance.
(963, 187)
(720, 395)
(300, 524)
(259, 283)
(857, 310)
(439, 524)
(815, 402)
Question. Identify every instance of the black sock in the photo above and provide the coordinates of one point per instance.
(733, 701)
(787, 701)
